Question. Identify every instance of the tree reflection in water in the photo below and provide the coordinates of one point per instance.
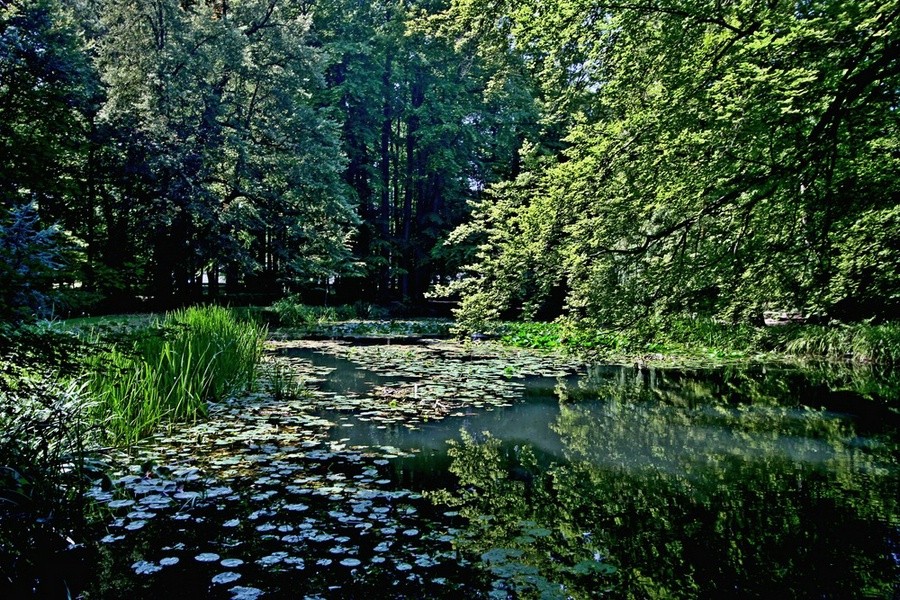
(687, 485)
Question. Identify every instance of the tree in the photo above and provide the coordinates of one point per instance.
(719, 154)
(43, 78)
(29, 256)
(426, 125)
(230, 169)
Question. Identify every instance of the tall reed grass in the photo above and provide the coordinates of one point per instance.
(172, 369)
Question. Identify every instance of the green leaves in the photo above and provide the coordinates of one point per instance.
(716, 166)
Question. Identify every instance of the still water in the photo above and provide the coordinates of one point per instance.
(434, 469)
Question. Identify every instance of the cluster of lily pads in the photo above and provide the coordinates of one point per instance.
(426, 381)
(250, 513)
(265, 498)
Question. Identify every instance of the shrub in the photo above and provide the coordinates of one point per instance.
(293, 313)
(45, 429)
(29, 256)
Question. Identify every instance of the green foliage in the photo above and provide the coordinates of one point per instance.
(720, 159)
(29, 257)
(45, 86)
(866, 281)
(859, 342)
(706, 339)
(291, 312)
(568, 335)
(282, 381)
(428, 120)
(545, 336)
(46, 430)
(171, 370)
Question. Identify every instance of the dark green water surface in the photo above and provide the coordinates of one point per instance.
(435, 469)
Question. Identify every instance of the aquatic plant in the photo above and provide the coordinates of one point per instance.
(282, 381)
(172, 369)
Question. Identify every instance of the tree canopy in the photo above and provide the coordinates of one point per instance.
(607, 161)
(721, 158)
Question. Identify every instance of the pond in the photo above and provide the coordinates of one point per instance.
(428, 469)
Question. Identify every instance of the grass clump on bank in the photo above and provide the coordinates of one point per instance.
(171, 369)
(46, 432)
(291, 312)
(860, 342)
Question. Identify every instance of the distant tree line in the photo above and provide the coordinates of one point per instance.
(270, 145)
(608, 161)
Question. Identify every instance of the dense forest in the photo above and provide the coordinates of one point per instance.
(610, 161)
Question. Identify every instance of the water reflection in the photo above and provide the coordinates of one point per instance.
(676, 484)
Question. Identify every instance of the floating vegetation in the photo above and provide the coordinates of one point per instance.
(207, 557)
(226, 577)
(420, 383)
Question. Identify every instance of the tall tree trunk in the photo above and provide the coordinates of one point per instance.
(384, 218)
(415, 173)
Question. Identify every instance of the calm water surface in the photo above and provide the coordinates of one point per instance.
(434, 470)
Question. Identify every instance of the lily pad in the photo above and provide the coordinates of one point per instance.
(230, 563)
(207, 557)
(245, 593)
(142, 567)
(226, 577)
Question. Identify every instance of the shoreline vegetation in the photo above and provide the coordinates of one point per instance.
(667, 341)
(705, 340)
(69, 392)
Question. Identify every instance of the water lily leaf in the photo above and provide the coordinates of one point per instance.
(539, 532)
(142, 567)
(226, 577)
(272, 559)
(109, 539)
(588, 567)
(230, 563)
(207, 557)
(245, 593)
(500, 554)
